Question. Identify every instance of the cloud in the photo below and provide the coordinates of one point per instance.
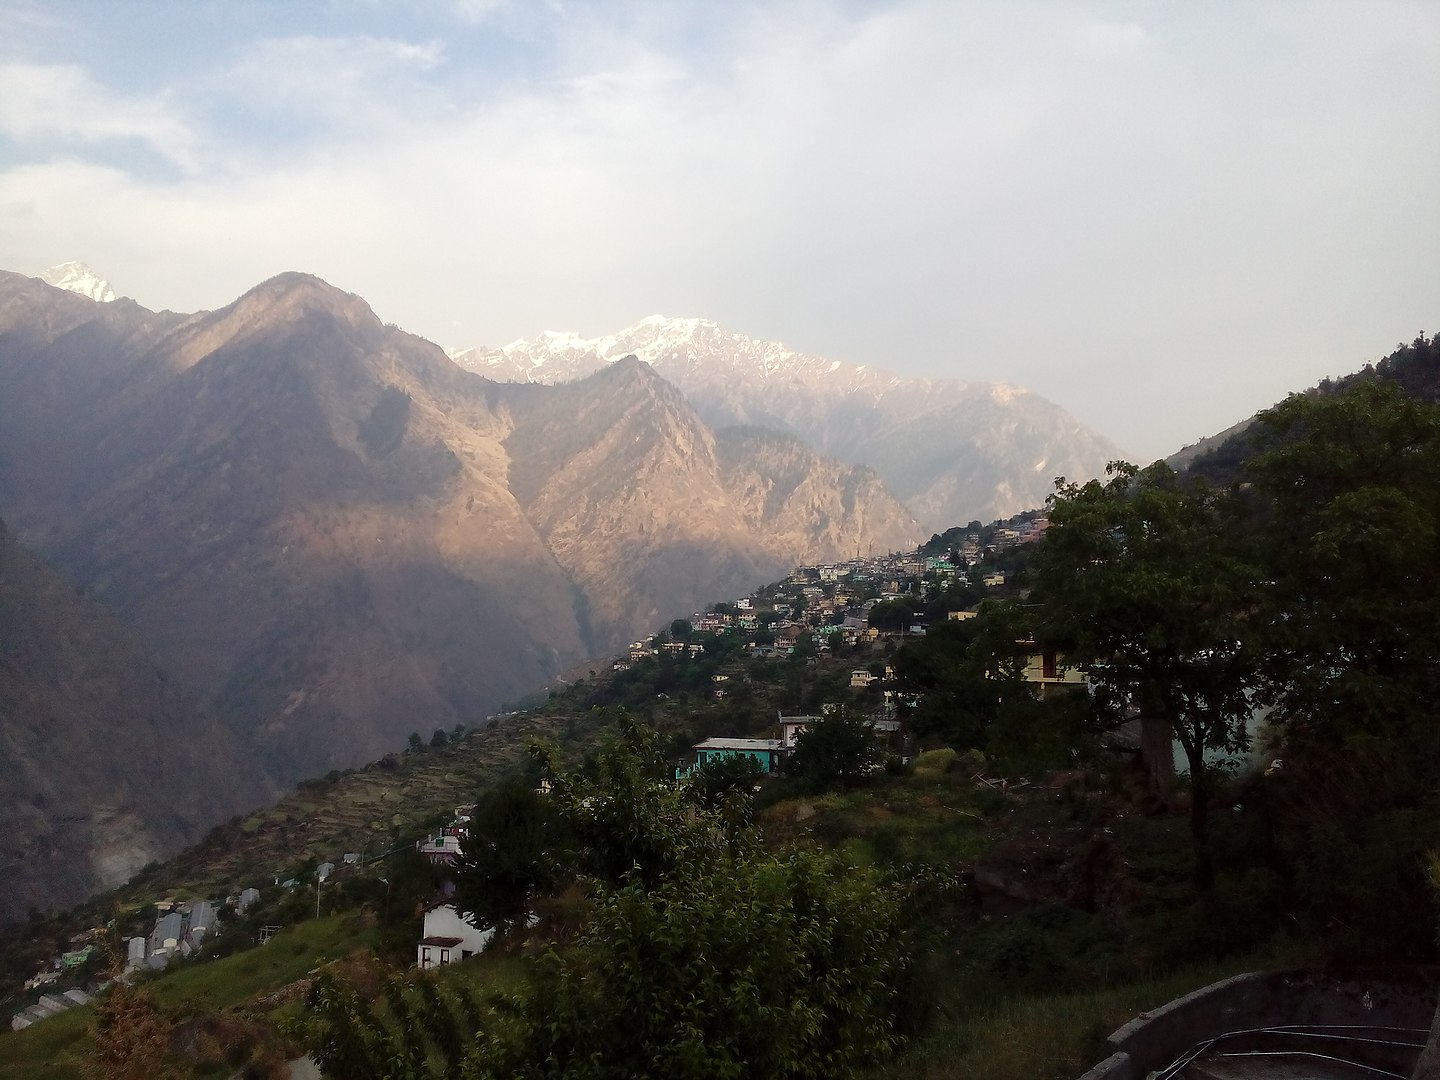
(477, 11)
(1112, 39)
(348, 80)
(44, 104)
(1051, 197)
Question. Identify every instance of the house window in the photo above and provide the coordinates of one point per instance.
(1047, 661)
(424, 957)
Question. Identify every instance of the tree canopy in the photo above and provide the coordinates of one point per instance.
(838, 748)
(1146, 590)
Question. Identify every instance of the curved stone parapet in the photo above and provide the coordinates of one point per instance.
(1394, 998)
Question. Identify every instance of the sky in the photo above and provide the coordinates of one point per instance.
(1161, 216)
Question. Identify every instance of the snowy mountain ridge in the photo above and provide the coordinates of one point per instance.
(77, 277)
(686, 350)
(953, 450)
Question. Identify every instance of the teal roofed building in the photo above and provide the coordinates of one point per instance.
(767, 753)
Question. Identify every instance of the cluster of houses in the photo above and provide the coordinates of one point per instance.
(49, 1005)
(82, 947)
(179, 930)
(830, 603)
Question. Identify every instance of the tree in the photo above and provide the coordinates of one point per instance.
(622, 811)
(968, 676)
(891, 614)
(440, 739)
(1145, 590)
(416, 744)
(412, 1032)
(1353, 621)
(511, 855)
(1355, 540)
(838, 748)
(411, 880)
(732, 963)
(713, 784)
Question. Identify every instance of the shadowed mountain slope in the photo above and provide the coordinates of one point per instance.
(105, 765)
(334, 535)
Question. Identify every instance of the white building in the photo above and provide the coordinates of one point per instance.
(448, 938)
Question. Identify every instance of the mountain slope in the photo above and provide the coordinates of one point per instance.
(304, 514)
(334, 535)
(655, 515)
(951, 450)
(1220, 459)
(105, 765)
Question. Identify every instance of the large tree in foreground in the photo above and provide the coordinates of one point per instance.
(1145, 590)
(704, 954)
(835, 750)
(731, 965)
(1353, 624)
(1355, 564)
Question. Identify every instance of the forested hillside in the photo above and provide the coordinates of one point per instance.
(1074, 830)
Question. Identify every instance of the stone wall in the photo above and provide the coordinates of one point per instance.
(1381, 997)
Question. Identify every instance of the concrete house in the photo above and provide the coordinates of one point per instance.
(200, 921)
(1047, 670)
(791, 728)
(448, 938)
(168, 933)
(766, 753)
(444, 848)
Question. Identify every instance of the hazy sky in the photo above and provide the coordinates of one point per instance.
(1160, 215)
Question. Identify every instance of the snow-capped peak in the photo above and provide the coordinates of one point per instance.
(76, 277)
(683, 349)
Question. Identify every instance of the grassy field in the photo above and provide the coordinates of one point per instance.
(1047, 1037)
(53, 1049)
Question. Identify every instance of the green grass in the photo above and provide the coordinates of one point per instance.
(49, 1050)
(1048, 1037)
(53, 1049)
(289, 955)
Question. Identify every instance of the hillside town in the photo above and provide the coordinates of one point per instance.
(864, 607)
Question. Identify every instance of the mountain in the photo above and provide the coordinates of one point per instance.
(639, 500)
(1220, 459)
(334, 536)
(76, 277)
(105, 765)
(952, 451)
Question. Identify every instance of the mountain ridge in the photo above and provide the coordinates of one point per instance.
(78, 277)
(333, 535)
(952, 450)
